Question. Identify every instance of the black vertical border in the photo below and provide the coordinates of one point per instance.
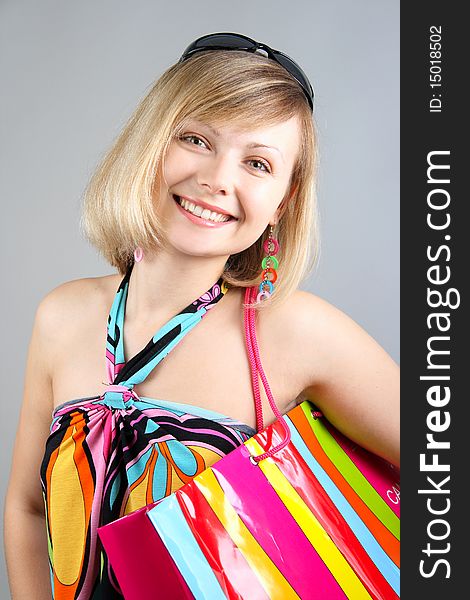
(422, 132)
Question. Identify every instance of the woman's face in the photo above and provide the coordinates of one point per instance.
(243, 174)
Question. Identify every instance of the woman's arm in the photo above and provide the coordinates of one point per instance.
(347, 375)
(25, 538)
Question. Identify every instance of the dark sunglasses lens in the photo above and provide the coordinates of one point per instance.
(233, 41)
(294, 70)
(223, 40)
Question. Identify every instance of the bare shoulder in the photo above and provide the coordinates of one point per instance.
(73, 295)
(302, 309)
(340, 367)
(62, 311)
(68, 306)
(291, 334)
(309, 314)
(313, 328)
(307, 327)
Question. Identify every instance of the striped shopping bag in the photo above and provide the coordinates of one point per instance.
(317, 519)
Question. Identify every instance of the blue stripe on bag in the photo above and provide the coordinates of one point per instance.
(170, 524)
(380, 558)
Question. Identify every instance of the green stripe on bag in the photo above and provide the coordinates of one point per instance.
(353, 475)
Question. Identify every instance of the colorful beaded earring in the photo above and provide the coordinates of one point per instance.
(138, 254)
(269, 265)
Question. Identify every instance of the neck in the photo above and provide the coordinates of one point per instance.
(164, 283)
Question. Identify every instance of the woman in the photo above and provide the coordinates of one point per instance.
(213, 174)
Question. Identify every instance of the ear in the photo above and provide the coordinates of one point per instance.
(279, 212)
(282, 207)
(277, 215)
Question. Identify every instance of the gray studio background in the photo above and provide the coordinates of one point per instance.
(71, 74)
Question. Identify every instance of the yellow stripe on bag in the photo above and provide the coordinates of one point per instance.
(320, 540)
(275, 584)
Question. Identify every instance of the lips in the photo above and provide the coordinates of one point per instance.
(204, 206)
(200, 221)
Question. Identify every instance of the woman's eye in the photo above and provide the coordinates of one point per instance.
(264, 165)
(192, 137)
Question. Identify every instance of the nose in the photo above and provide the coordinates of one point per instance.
(217, 175)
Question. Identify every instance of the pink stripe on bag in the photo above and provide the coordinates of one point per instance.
(135, 568)
(244, 484)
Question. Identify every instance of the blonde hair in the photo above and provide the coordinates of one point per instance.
(220, 87)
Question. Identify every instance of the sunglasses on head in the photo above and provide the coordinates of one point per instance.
(236, 41)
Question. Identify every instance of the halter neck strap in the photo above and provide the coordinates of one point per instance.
(165, 339)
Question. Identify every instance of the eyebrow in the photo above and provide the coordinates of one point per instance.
(256, 145)
(216, 132)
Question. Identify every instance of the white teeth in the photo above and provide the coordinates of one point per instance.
(204, 213)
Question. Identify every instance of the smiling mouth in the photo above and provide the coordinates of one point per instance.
(191, 206)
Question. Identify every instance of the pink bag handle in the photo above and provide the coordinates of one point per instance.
(255, 365)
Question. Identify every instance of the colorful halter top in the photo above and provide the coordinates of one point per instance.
(109, 455)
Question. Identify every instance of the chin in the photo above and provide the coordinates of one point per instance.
(194, 247)
(197, 241)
